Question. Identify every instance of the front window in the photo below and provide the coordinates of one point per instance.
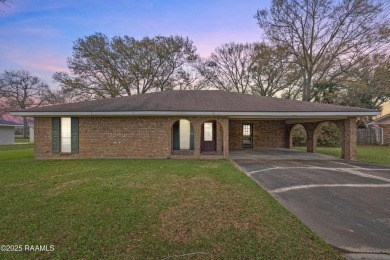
(66, 135)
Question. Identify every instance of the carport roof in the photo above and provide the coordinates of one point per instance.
(195, 102)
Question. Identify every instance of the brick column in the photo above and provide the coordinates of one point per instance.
(311, 137)
(225, 127)
(289, 137)
(197, 136)
(349, 138)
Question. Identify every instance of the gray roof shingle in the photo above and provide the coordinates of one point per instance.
(196, 100)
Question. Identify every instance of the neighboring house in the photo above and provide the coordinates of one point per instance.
(31, 133)
(384, 123)
(7, 132)
(190, 124)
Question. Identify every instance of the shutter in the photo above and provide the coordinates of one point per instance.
(176, 136)
(191, 138)
(55, 135)
(74, 125)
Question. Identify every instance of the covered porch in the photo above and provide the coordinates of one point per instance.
(200, 138)
(222, 137)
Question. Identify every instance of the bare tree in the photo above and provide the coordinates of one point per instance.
(272, 70)
(368, 83)
(104, 68)
(21, 90)
(326, 38)
(96, 70)
(191, 78)
(155, 63)
(229, 67)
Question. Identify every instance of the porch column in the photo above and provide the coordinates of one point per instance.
(349, 138)
(225, 127)
(197, 136)
(289, 137)
(311, 137)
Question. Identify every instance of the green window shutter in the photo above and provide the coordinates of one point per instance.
(55, 135)
(191, 138)
(176, 136)
(74, 134)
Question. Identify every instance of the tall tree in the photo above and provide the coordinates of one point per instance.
(272, 70)
(154, 63)
(325, 92)
(368, 83)
(104, 67)
(21, 90)
(96, 70)
(229, 67)
(325, 37)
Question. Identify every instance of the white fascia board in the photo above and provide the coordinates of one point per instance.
(198, 113)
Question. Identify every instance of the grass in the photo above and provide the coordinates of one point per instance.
(21, 140)
(144, 209)
(365, 153)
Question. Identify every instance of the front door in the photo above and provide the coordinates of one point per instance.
(247, 136)
(208, 136)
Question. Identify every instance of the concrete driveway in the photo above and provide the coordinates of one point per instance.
(346, 203)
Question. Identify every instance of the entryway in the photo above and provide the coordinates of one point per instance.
(209, 142)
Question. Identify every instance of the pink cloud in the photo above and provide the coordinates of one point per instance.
(42, 63)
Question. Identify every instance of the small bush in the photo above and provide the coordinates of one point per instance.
(328, 134)
(299, 135)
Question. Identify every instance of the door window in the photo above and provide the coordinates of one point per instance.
(208, 132)
(247, 135)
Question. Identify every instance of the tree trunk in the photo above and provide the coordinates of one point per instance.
(25, 128)
(307, 88)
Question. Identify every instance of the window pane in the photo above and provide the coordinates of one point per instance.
(247, 135)
(184, 134)
(208, 132)
(246, 130)
(65, 135)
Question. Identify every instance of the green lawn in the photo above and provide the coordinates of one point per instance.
(21, 140)
(144, 209)
(365, 153)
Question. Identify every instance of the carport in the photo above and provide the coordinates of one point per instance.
(345, 202)
(277, 132)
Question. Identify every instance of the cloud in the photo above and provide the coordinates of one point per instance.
(41, 31)
(42, 63)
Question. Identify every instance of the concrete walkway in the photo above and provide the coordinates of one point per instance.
(346, 203)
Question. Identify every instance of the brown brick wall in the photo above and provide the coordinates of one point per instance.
(265, 133)
(123, 137)
(386, 133)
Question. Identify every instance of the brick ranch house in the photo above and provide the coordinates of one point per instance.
(177, 124)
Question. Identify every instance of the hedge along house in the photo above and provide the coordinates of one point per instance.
(189, 124)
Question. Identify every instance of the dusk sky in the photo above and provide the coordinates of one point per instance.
(38, 35)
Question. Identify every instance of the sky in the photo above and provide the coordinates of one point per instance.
(38, 35)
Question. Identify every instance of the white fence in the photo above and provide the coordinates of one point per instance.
(371, 135)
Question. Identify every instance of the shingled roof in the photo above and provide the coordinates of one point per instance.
(193, 102)
(8, 123)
